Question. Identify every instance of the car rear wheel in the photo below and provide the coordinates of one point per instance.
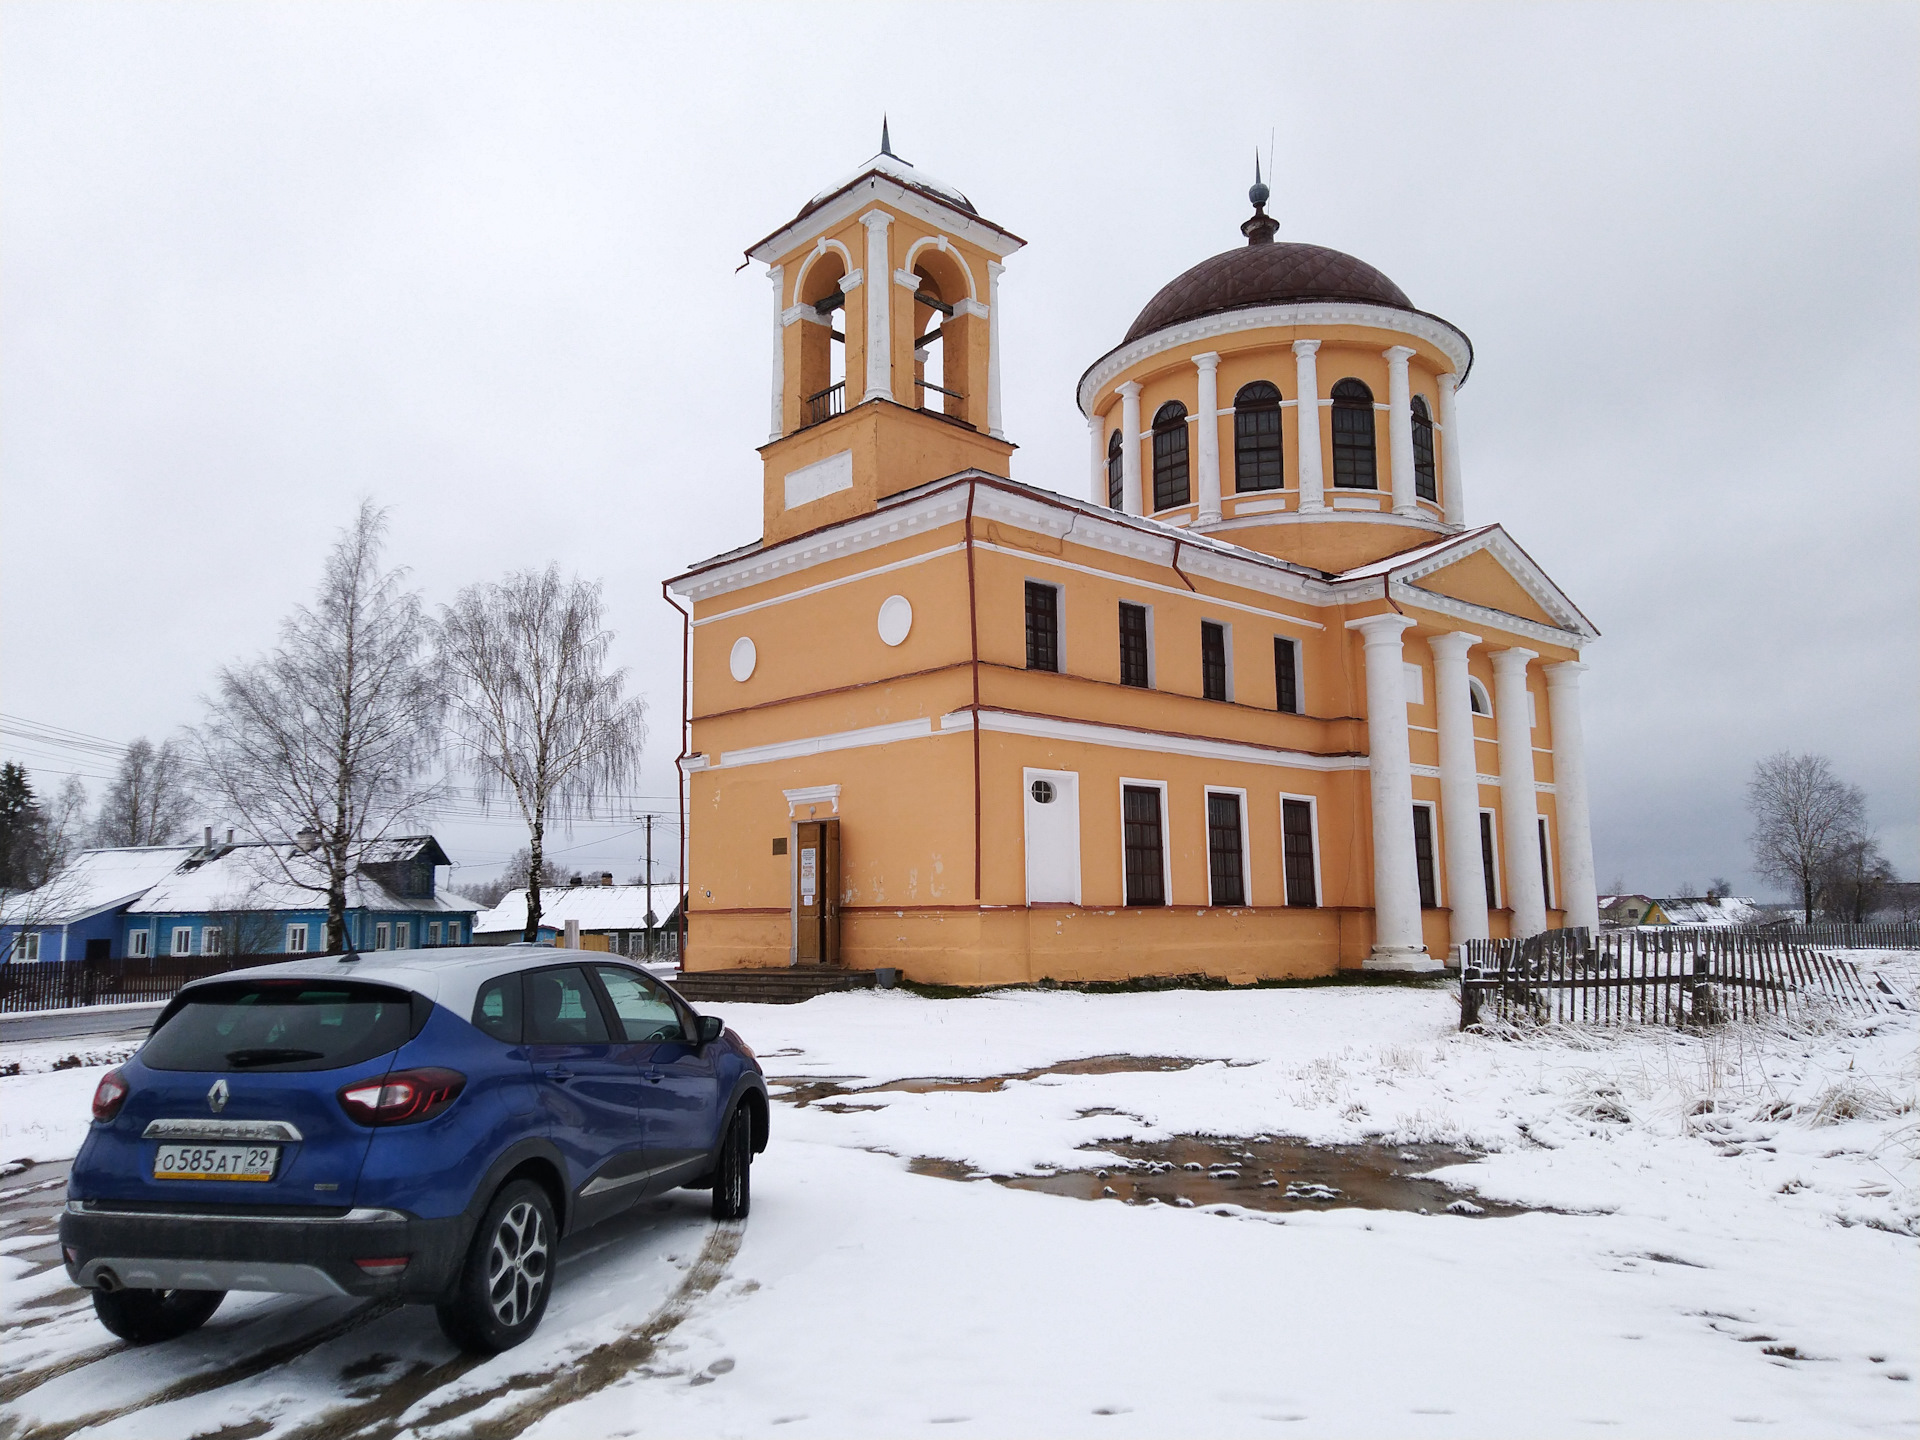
(145, 1317)
(503, 1287)
(733, 1176)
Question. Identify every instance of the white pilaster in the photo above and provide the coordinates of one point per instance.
(1459, 786)
(1097, 443)
(879, 380)
(994, 268)
(1207, 422)
(1578, 894)
(778, 275)
(1453, 498)
(1397, 943)
(1519, 812)
(1130, 447)
(1307, 412)
(1400, 429)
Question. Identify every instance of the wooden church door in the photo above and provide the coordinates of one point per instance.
(816, 893)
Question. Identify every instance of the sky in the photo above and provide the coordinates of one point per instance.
(479, 262)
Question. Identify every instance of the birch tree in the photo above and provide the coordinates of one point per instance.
(329, 734)
(539, 716)
(1802, 814)
(149, 798)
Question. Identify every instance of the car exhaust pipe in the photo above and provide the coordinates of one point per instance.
(105, 1281)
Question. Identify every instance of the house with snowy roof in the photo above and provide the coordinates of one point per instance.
(618, 918)
(81, 913)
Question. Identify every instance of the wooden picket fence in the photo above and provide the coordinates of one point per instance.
(64, 984)
(1655, 977)
(1835, 935)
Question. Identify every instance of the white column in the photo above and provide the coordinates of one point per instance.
(1397, 944)
(1207, 420)
(1578, 895)
(1400, 429)
(778, 275)
(1307, 411)
(1459, 786)
(1519, 812)
(994, 268)
(1130, 447)
(879, 380)
(1097, 442)
(1453, 498)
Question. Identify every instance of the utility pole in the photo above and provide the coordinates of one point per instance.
(650, 916)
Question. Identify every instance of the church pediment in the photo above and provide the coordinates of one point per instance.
(1484, 569)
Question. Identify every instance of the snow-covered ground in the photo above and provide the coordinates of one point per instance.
(1729, 1244)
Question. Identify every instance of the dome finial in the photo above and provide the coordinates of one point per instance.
(886, 143)
(1261, 227)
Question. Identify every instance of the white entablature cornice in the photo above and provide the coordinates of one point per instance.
(860, 195)
(1436, 332)
(1485, 616)
(1516, 562)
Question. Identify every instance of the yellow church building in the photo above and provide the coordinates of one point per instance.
(1251, 698)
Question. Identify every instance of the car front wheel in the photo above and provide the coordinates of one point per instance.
(503, 1287)
(733, 1176)
(145, 1317)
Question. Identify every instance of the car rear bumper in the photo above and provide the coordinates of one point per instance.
(112, 1247)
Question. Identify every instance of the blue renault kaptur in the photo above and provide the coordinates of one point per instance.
(423, 1125)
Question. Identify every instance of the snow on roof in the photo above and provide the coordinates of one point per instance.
(1413, 556)
(97, 880)
(1727, 910)
(255, 876)
(902, 170)
(596, 907)
(403, 847)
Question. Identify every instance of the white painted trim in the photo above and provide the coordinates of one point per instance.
(945, 247)
(1436, 332)
(799, 314)
(1089, 732)
(972, 308)
(820, 248)
(1475, 688)
(823, 477)
(906, 280)
(1313, 834)
(1166, 841)
(822, 744)
(1516, 562)
(1257, 502)
(811, 795)
(1246, 852)
(833, 584)
(1131, 580)
(1483, 616)
(876, 184)
(1027, 776)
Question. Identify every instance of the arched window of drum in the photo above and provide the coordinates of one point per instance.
(1116, 474)
(1353, 467)
(1256, 438)
(1170, 455)
(1424, 485)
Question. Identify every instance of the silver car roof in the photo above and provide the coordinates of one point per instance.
(451, 977)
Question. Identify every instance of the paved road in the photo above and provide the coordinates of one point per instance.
(61, 1024)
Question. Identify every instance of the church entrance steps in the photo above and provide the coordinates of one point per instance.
(785, 986)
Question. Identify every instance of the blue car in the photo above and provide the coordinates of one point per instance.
(423, 1125)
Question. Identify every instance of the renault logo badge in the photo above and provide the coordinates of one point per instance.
(217, 1097)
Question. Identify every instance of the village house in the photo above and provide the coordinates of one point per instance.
(1250, 697)
(640, 921)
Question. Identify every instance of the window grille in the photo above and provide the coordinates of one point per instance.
(1296, 836)
(1134, 669)
(1546, 870)
(1489, 870)
(1353, 459)
(1424, 484)
(1043, 627)
(1146, 878)
(1257, 463)
(1223, 850)
(182, 940)
(296, 939)
(1116, 474)
(137, 944)
(1170, 456)
(1213, 660)
(1286, 676)
(1423, 855)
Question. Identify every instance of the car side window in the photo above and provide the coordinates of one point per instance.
(561, 1009)
(496, 1010)
(645, 1013)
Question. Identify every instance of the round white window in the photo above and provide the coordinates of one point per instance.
(896, 619)
(742, 658)
(1043, 792)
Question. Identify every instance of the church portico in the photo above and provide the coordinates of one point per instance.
(1258, 706)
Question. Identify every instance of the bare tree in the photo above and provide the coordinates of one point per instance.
(327, 737)
(540, 717)
(67, 823)
(1802, 812)
(149, 798)
(1855, 879)
(515, 875)
(1719, 888)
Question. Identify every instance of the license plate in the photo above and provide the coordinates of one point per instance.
(216, 1162)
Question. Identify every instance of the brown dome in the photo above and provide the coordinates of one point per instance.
(1266, 274)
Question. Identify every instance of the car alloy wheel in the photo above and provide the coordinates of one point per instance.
(517, 1264)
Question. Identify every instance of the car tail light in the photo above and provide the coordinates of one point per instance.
(405, 1097)
(384, 1265)
(108, 1096)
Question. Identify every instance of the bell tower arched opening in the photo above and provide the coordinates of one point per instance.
(944, 335)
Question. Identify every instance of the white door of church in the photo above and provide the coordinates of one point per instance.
(1053, 836)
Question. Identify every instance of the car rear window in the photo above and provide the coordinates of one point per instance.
(281, 1025)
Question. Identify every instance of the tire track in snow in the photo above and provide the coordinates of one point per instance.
(381, 1417)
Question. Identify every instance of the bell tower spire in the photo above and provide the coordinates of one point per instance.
(886, 145)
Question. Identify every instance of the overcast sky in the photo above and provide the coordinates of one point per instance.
(478, 262)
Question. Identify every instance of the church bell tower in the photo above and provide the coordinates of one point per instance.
(886, 367)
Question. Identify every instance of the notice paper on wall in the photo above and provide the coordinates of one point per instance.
(807, 877)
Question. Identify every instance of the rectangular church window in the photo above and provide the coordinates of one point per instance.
(1225, 872)
(1043, 626)
(1213, 660)
(1286, 675)
(1296, 837)
(1489, 870)
(1423, 854)
(1145, 864)
(1546, 869)
(1134, 669)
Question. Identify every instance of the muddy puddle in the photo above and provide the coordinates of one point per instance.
(827, 1091)
(1264, 1173)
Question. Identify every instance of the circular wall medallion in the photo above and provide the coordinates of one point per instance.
(742, 658)
(896, 619)
(1043, 792)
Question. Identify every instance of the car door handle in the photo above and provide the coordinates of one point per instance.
(653, 1076)
(559, 1074)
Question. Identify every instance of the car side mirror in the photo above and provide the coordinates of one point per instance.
(711, 1027)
